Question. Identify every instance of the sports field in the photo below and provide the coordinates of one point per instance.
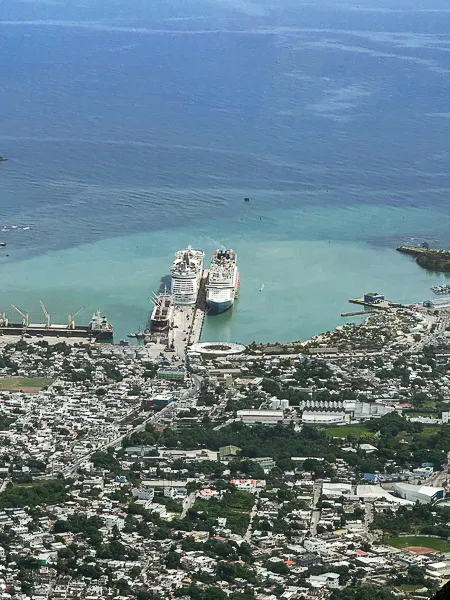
(29, 385)
(419, 544)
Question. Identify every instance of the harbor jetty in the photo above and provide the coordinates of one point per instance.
(372, 300)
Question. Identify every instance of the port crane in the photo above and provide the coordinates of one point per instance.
(25, 321)
(46, 313)
(71, 319)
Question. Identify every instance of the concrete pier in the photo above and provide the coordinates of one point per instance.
(377, 305)
(187, 321)
(200, 311)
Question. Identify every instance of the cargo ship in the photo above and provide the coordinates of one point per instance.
(162, 312)
(186, 273)
(99, 328)
(222, 287)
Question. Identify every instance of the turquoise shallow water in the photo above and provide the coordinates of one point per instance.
(307, 281)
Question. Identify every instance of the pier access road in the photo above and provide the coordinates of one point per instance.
(179, 335)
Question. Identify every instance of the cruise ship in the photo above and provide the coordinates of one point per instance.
(223, 283)
(186, 272)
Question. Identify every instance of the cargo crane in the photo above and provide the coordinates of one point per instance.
(25, 321)
(46, 313)
(71, 319)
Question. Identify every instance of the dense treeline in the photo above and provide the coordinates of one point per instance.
(35, 494)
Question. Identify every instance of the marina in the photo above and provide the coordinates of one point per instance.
(441, 289)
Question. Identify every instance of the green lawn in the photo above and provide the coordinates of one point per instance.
(28, 384)
(409, 587)
(429, 430)
(343, 431)
(413, 540)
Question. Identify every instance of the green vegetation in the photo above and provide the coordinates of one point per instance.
(35, 494)
(363, 593)
(421, 518)
(415, 540)
(235, 506)
(342, 432)
(15, 384)
(433, 260)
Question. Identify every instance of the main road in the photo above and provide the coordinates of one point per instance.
(154, 419)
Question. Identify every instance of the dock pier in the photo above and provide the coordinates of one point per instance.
(195, 331)
(382, 305)
(187, 321)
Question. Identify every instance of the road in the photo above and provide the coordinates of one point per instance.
(253, 512)
(152, 419)
(315, 516)
(368, 518)
(188, 503)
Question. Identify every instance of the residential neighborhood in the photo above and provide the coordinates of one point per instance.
(306, 472)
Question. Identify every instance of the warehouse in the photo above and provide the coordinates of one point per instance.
(267, 417)
(425, 494)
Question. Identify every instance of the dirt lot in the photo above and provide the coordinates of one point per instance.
(419, 549)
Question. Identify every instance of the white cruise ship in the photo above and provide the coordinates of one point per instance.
(223, 282)
(186, 271)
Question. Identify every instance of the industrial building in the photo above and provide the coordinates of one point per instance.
(267, 417)
(425, 494)
(324, 418)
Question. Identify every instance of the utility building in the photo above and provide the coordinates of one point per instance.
(425, 494)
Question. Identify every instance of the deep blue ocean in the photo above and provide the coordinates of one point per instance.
(135, 128)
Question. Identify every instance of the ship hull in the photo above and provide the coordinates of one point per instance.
(215, 308)
(76, 332)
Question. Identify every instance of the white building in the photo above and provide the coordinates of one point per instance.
(268, 417)
(328, 580)
(144, 493)
(425, 494)
(324, 418)
(315, 545)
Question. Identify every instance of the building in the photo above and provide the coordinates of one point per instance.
(246, 485)
(323, 418)
(144, 493)
(373, 298)
(267, 417)
(328, 580)
(162, 399)
(228, 452)
(171, 373)
(266, 462)
(315, 545)
(425, 494)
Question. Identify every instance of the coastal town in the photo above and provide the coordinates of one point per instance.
(313, 470)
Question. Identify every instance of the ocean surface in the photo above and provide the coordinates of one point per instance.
(135, 128)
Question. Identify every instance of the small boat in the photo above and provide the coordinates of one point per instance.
(262, 287)
(131, 335)
(246, 199)
(2, 244)
(3, 159)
